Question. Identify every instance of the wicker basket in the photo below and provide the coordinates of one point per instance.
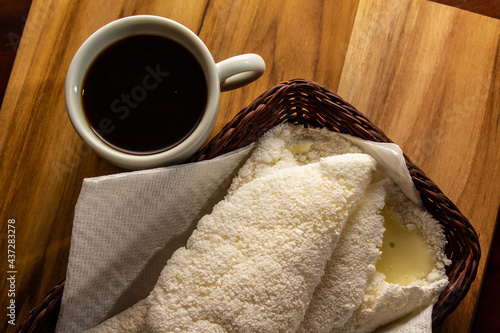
(305, 102)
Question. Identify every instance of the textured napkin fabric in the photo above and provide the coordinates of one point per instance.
(417, 322)
(126, 227)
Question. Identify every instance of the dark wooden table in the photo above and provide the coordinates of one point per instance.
(13, 16)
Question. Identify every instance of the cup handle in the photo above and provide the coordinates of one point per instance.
(240, 70)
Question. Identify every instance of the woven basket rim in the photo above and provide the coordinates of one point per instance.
(305, 102)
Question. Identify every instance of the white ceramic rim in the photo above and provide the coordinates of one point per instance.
(136, 25)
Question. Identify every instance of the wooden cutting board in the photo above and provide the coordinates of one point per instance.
(427, 74)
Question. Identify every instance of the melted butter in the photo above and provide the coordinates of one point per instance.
(405, 255)
(300, 148)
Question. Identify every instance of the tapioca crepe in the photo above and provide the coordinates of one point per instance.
(294, 246)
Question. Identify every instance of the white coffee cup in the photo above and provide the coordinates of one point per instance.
(225, 75)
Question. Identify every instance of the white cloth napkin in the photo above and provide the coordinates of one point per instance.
(126, 226)
(417, 322)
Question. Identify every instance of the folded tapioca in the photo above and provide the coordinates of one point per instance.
(253, 263)
(300, 242)
(355, 294)
(288, 145)
(411, 271)
(351, 265)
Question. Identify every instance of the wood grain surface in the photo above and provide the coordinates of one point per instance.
(427, 74)
(430, 81)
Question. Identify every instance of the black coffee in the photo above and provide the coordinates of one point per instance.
(144, 94)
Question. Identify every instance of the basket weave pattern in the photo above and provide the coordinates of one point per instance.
(305, 102)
